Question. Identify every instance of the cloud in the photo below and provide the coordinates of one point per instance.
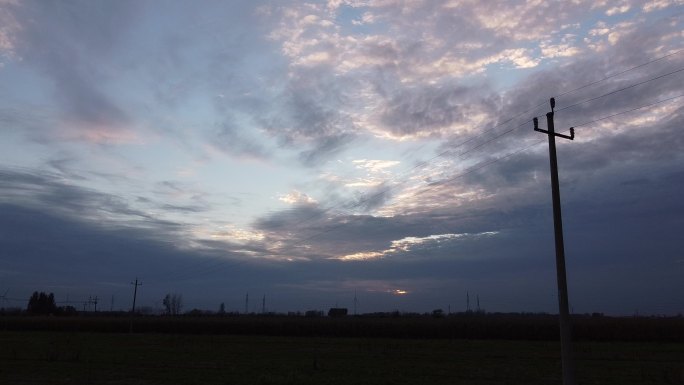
(659, 4)
(393, 83)
(297, 198)
(71, 45)
(231, 139)
(45, 191)
(410, 244)
(9, 26)
(433, 110)
(450, 76)
(375, 165)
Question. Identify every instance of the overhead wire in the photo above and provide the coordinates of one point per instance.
(483, 133)
(620, 89)
(423, 164)
(485, 164)
(627, 111)
(468, 171)
(620, 73)
(222, 264)
(564, 93)
(218, 262)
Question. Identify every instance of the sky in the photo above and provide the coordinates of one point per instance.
(316, 152)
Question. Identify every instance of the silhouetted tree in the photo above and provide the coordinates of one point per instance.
(173, 303)
(41, 303)
(222, 309)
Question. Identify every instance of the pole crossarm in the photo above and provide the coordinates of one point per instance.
(536, 128)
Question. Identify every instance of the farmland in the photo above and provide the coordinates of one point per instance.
(318, 351)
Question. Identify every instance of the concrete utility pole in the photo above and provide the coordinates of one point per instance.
(135, 292)
(565, 332)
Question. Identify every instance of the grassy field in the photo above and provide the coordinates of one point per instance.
(41, 357)
(474, 327)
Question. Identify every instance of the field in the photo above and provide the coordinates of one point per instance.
(85, 357)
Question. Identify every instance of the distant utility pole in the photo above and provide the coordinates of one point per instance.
(111, 306)
(135, 292)
(247, 303)
(356, 302)
(94, 301)
(263, 305)
(4, 298)
(478, 303)
(565, 332)
(467, 301)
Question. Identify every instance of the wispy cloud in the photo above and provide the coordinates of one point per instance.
(409, 244)
(297, 198)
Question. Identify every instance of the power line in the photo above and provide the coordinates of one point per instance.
(216, 263)
(202, 270)
(628, 111)
(619, 73)
(425, 163)
(434, 185)
(620, 89)
(224, 263)
(607, 78)
(447, 151)
(389, 188)
(437, 184)
(481, 165)
(221, 264)
(493, 139)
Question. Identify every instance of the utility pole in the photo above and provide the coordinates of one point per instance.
(94, 301)
(356, 302)
(478, 303)
(4, 298)
(135, 293)
(247, 303)
(467, 301)
(263, 305)
(565, 332)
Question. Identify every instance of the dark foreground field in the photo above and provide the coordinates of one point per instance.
(43, 357)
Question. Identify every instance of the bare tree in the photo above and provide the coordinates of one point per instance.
(173, 303)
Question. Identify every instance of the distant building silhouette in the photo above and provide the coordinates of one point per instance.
(337, 312)
(313, 313)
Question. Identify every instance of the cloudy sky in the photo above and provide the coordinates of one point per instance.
(308, 151)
